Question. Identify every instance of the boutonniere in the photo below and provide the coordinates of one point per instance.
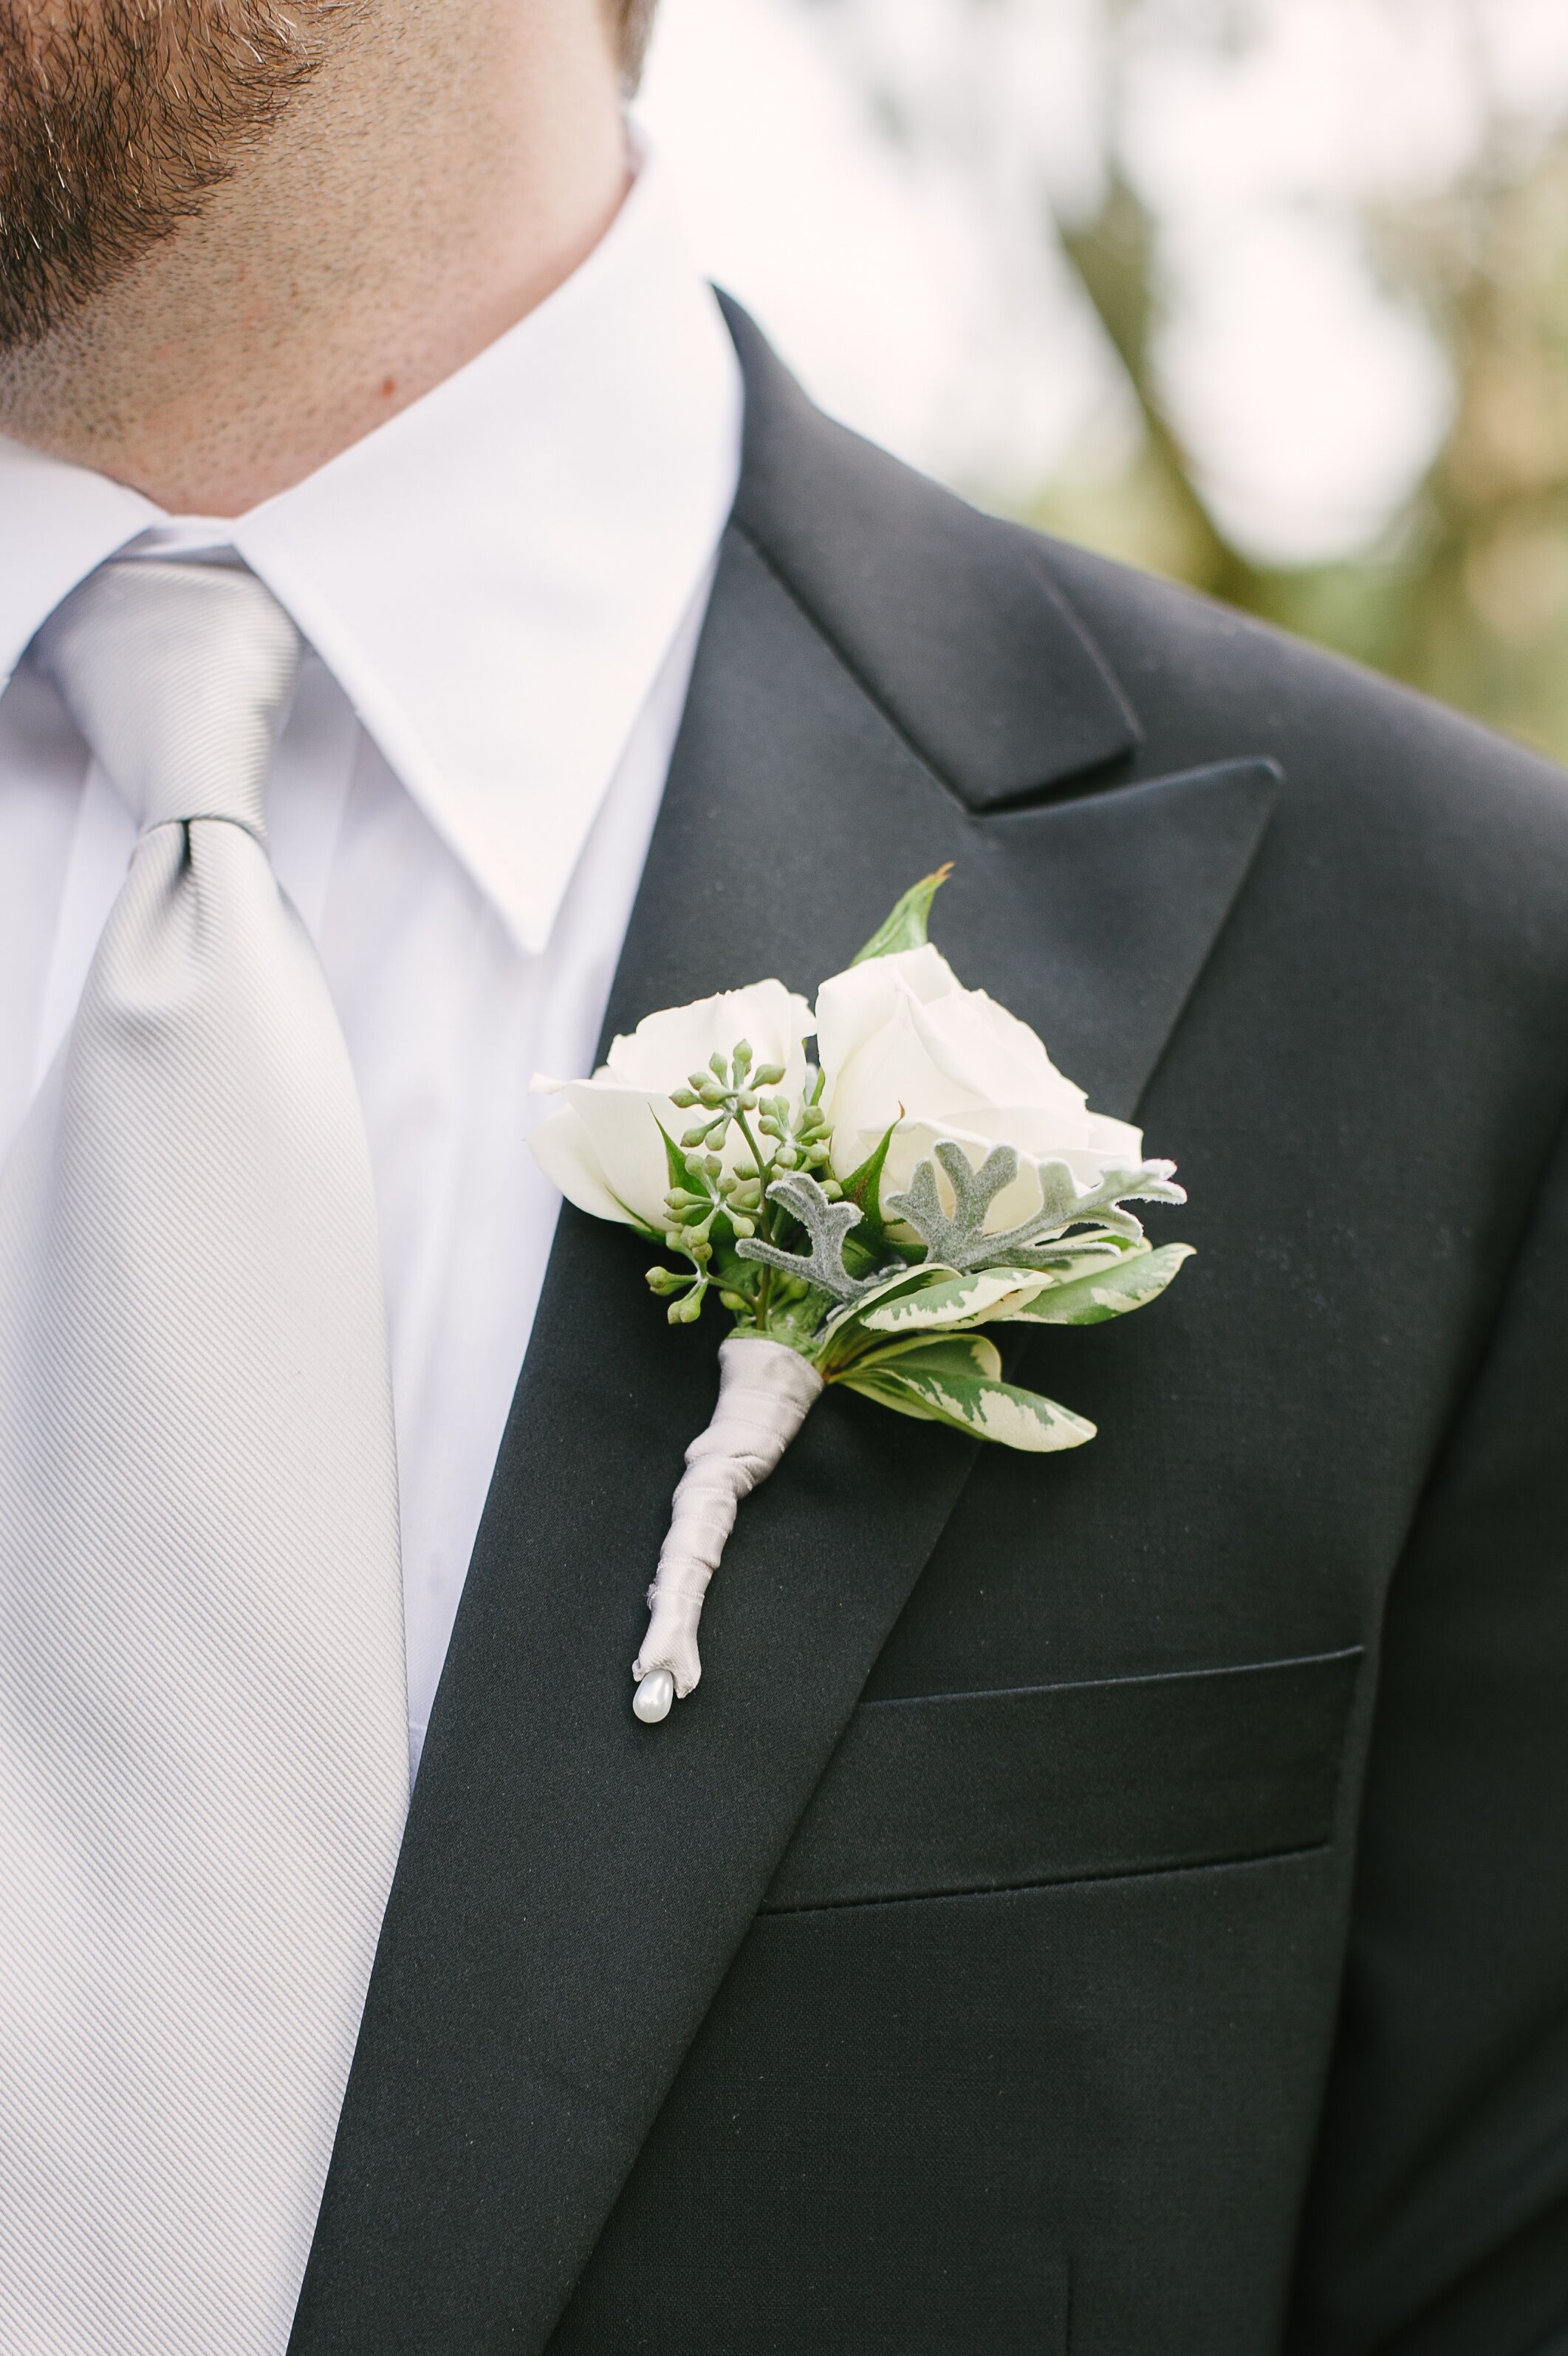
(859, 1219)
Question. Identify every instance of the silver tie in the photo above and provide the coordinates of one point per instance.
(203, 1749)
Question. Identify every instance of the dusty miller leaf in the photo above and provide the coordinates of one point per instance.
(826, 1224)
(958, 1239)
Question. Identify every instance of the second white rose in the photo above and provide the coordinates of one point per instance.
(903, 1044)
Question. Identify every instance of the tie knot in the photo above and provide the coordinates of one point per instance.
(179, 677)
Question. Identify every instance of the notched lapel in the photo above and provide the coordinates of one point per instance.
(573, 1885)
(1097, 915)
(952, 624)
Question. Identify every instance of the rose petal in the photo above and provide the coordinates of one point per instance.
(622, 1125)
(564, 1150)
(853, 1006)
(668, 1046)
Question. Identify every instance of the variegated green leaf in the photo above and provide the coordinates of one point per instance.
(903, 1401)
(959, 1353)
(907, 1280)
(972, 1402)
(1110, 1291)
(956, 1353)
(954, 1300)
(1069, 1254)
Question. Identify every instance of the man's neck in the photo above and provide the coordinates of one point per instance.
(439, 178)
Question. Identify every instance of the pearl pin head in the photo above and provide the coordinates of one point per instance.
(654, 1695)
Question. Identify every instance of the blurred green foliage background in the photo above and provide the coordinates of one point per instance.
(1268, 295)
(1466, 593)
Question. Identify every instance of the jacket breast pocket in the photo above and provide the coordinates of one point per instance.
(948, 1793)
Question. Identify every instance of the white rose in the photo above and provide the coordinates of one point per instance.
(900, 1040)
(602, 1148)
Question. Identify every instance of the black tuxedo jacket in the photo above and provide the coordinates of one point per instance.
(1117, 1901)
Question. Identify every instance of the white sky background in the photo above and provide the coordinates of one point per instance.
(912, 279)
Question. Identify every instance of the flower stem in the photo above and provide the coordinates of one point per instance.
(764, 1168)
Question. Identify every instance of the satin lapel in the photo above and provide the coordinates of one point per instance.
(573, 1885)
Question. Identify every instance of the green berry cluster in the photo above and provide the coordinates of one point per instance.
(714, 1204)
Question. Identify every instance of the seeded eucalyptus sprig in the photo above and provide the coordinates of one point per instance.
(714, 1205)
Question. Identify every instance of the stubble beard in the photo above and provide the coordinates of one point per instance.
(118, 119)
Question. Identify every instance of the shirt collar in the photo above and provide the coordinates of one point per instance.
(494, 576)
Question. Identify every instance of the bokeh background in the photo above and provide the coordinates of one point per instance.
(1270, 295)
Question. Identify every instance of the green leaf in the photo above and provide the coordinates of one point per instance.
(971, 1401)
(675, 1163)
(864, 1188)
(905, 929)
(1104, 1291)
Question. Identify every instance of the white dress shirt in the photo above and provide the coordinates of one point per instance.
(501, 590)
